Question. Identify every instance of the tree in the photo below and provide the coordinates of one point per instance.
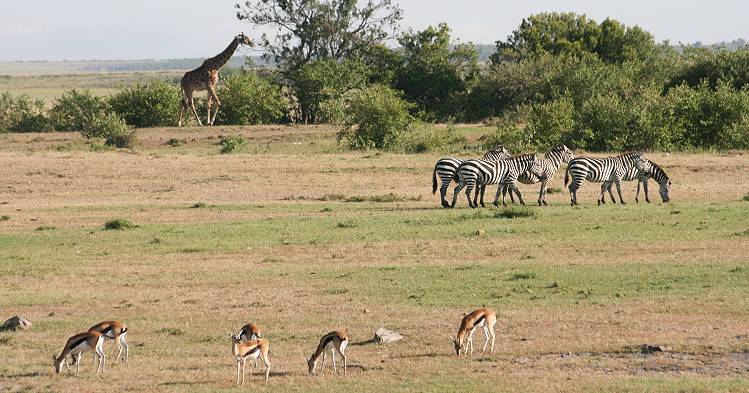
(432, 71)
(572, 34)
(307, 30)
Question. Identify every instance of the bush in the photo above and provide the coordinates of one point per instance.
(233, 144)
(21, 114)
(148, 105)
(430, 138)
(248, 99)
(377, 118)
(118, 224)
(71, 111)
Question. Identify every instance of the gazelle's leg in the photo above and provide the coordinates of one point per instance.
(78, 361)
(322, 366)
(127, 348)
(244, 363)
(494, 335)
(343, 356)
(486, 338)
(470, 339)
(238, 370)
(332, 354)
(267, 366)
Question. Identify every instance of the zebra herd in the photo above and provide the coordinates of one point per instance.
(499, 167)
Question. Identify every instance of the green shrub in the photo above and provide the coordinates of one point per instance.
(118, 224)
(515, 212)
(111, 127)
(746, 197)
(248, 99)
(22, 114)
(4, 218)
(74, 108)
(431, 138)
(233, 144)
(148, 105)
(175, 142)
(377, 118)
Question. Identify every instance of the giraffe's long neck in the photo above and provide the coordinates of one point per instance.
(222, 58)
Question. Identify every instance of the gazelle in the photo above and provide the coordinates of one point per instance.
(250, 332)
(249, 349)
(334, 342)
(116, 331)
(482, 318)
(76, 345)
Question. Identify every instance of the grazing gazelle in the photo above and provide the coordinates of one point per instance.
(250, 332)
(249, 349)
(113, 330)
(334, 342)
(484, 318)
(76, 345)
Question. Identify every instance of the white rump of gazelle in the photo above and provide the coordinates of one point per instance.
(334, 342)
(249, 349)
(482, 318)
(76, 346)
(115, 331)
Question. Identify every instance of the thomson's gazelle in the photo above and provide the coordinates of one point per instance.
(334, 342)
(250, 332)
(76, 345)
(249, 349)
(482, 318)
(113, 330)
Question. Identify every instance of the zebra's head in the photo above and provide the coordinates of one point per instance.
(659, 175)
(497, 153)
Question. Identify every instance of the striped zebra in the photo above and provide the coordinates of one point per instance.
(644, 170)
(447, 170)
(550, 164)
(609, 169)
(472, 173)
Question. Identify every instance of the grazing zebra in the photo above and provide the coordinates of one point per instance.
(472, 173)
(609, 169)
(645, 170)
(447, 170)
(550, 164)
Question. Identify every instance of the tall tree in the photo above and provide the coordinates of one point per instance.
(308, 30)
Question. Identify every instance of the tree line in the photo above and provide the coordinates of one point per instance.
(558, 78)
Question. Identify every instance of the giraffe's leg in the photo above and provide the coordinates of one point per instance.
(212, 94)
(191, 103)
(208, 100)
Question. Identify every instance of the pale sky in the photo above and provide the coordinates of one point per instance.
(158, 29)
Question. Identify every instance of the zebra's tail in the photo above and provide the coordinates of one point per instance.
(434, 180)
(567, 175)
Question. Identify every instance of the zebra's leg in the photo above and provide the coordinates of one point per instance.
(619, 191)
(514, 186)
(476, 195)
(469, 188)
(601, 196)
(496, 195)
(611, 194)
(645, 187)
(443, 191)
(512, 198)
(637, 194)
(541, 193)
(456, 192)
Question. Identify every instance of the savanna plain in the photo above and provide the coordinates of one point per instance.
(302, 238)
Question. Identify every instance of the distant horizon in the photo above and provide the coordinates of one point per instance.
(258, 56)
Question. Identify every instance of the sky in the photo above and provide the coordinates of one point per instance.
(160, 29)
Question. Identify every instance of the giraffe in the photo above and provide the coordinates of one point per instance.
(205, 77)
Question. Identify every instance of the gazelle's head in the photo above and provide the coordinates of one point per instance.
(311, 364)
(57, 363)
(458, 344)
(245, 40)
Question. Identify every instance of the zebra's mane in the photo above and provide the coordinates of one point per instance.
(656, 169)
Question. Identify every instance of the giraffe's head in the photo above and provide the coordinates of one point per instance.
(245, 40)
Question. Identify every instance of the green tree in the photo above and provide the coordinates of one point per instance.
(432, 72)
(308, 30)
(249, 99)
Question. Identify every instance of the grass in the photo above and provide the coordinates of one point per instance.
(118, 224)
(574, 288)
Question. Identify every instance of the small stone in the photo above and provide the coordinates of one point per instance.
(17, 322)
(384, 336)
(366, 311)
(480, 233)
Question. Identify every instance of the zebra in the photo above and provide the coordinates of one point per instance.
(472, 173)
(447, 170)
(550, 164)
(609, 169)
(645, 170)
